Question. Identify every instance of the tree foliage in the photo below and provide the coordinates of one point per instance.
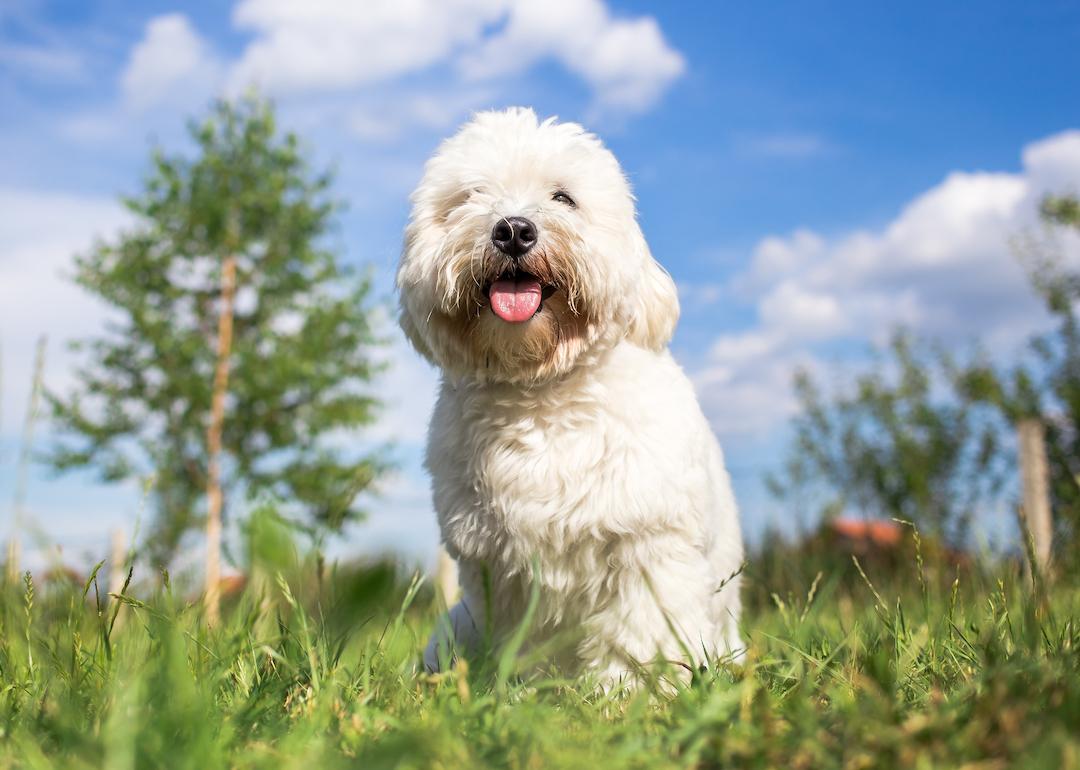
(301, 360)
(931, 443)
(1046, 385)
(893, 444)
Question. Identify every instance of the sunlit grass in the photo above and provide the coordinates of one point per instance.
(319, 668)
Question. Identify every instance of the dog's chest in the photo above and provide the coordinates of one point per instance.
(583, 478)
(536, 469)
(529, 481)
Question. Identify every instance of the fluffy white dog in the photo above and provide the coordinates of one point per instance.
(567, 450)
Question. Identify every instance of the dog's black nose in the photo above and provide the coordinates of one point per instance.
(514, 236)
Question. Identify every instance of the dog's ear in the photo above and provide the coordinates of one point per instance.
(656, 308)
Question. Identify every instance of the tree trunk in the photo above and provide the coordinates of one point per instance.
(1035, 482)
(213, 442)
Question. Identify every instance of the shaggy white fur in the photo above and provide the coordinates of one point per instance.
(567, 450)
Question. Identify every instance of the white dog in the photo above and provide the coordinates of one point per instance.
(567, 450)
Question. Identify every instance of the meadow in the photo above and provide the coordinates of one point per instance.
(913, 661)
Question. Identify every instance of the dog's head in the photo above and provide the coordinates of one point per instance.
(523, 253)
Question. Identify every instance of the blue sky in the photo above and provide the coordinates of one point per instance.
(812, 174)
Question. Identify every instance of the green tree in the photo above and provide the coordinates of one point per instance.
(895, 444)
(300, 362)
(1046, 386)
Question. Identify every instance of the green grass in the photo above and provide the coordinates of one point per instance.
(320, 671)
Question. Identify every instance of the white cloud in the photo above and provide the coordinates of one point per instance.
(697, 294)
(39, 235)
(382, 67)
(1054, 162)
(402, 523)
(407, 390)
(803, 313)
(326, 45)
(943, 267)
(745, 388)
(626, 61)
(171, 64)
(776, 256)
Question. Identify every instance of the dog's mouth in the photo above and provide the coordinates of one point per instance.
(517, 296)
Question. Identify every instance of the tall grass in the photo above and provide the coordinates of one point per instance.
(923, 665)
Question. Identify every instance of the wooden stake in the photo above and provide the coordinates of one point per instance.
(213, 442)
(1035, 482)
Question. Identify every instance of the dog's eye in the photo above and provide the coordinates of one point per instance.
(562, 197)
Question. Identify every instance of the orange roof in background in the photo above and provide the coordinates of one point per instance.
(232, 584)
(874, 530)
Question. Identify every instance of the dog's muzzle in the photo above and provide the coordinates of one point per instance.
(514, 236)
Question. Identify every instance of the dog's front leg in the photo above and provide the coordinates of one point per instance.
(457, 633)
(656, 622)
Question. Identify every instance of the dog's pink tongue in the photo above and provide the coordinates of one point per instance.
(515, 301)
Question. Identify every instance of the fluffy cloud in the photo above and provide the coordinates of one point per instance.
(626, 61)
(325, 51)
(1054, 163)
(406, 388)
(944, 266)
(325, 45)
(171, 63)
(39, 234)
